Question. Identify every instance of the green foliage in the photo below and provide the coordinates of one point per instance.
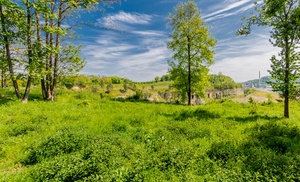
(139, 95)
(193, 50)
(221, 81)
(82, 81)
(249, 91)
(253, 106)
(222, 151)
(125, 86)
(70, 61)
(20, 129)
(116, 80)
(63, 142)
(165, 78)
(109, 88)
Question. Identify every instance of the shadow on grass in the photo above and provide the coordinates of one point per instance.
(7, 96)
(199, 114)
(254, 118)
(4, 100)
(271, 149)
(278, 137)
(142, 101)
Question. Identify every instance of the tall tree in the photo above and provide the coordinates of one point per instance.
(10, 18)
(192, 47)
(283, 17)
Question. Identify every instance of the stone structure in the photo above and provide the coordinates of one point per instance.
(218, 94)
(173, 97)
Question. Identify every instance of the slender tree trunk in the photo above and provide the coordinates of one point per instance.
(189, 73)
(286, 79)
(3, 78)
(29, 47)
(48, 81)
(44, 85)
(39, 40)
(56, 60)
(8, 57)
(49, 78)
(3, 72)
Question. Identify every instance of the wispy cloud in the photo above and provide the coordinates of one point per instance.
(140, 59)
(228, 8)
(125, 20)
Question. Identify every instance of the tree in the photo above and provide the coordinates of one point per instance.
(165, 78)
(221, 81)
(192, 47)
(157, 79)
(11, 15)
(283, 17)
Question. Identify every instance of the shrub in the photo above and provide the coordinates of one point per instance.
(253, 106)
(249, 91)
(280, 138)
(20, 129)
(109, 88)
(63, 142)
(222, 151)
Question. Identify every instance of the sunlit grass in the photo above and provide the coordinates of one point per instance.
(145, 141)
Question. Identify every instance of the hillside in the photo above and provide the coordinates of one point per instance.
(82, 137)
(258, 83)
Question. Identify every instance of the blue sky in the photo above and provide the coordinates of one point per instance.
(133, 45)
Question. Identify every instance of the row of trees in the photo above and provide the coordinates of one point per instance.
(33, 41)
(218, 81)
(85, 80)
(221, 81)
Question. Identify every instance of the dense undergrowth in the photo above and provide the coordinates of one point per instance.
(82, 137)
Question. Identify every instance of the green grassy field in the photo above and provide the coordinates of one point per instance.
(82, 137)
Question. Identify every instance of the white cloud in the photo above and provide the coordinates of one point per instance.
(149, 33)
(223, 15)
(140, 60)
(226, 8)
(124, 20)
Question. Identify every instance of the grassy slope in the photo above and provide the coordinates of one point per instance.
(113, 140)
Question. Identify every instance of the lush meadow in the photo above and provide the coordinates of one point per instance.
(83, 137)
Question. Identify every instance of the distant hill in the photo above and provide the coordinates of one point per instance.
(257, 83)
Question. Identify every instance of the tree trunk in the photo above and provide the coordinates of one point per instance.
(29, 47)
(286, 79)
(39, 40)
(3, 72)
(3, 78)
(56, 60)
(8, 57)
(189, 73)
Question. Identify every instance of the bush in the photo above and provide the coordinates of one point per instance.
(20, 129)
(222, 151)
(253, 106)
(249, 91)
(63, 142)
